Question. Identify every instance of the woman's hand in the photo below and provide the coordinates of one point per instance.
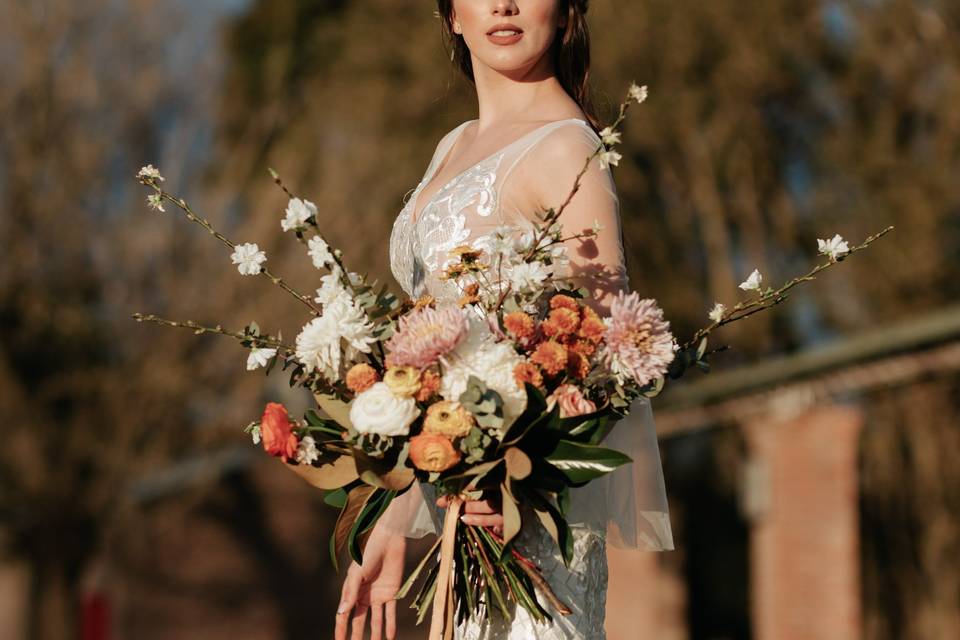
(372, 588)
(479, 513)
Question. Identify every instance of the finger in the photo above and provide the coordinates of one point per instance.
(359, 621)
(376, 621)
(480, 506)
(391, 620)
(343, 620)
(443, 502)
(348, 598)
(482, 520)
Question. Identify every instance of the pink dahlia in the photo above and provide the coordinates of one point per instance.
(638, 344)
(424, 335)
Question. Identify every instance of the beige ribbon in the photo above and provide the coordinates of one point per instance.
(441, 625)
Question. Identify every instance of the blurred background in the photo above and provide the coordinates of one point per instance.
(813, 476)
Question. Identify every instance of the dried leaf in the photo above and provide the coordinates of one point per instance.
(329, 476)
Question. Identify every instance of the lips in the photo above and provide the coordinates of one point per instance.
(504, 34)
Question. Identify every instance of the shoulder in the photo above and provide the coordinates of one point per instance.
(568, 140)
(560, 155)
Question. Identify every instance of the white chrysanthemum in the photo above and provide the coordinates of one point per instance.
(526, 275)
(638, 94)
(155, 202)
(493, 362)
(320, 252)
(248, 258)
(259, 357)
(332, 288)
(319, 345)
(609, 136)
(307, 452)
(753, 282)
(149, 172)
(608, 158)
(716, 314)
(297, 213)
(835, 247)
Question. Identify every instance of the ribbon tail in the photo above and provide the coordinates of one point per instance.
(443, 597)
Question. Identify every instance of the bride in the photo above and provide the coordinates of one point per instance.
(529, 61)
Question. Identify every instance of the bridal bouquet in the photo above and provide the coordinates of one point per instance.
(509, 391)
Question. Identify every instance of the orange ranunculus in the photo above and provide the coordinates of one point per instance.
(429, 386)
(435, 453)
(551, 356)
(448, 419)
(361, 377)
(276, 432)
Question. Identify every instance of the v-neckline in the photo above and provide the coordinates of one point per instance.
(415, 217)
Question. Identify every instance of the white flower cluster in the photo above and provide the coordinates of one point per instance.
(259, 357)
(341, 333)
(248, 257)
(834, 248)
(480, 355)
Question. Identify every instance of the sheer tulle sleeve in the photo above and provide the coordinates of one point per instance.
(410, 514)
(631, 503)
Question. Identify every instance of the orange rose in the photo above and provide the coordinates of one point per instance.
(276, 432)
(433, 453)
(361, 377)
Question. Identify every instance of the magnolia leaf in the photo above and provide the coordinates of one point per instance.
(341, 472)
(356, 501)
(582, 463)
(335, 408)
(511, 515)
(336, 498)
(396, 480)
(518, 464)
(360, 532)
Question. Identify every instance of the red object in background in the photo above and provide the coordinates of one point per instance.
(94, 617)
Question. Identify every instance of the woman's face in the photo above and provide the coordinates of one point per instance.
(507, 35)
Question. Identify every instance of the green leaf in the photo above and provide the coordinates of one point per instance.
(372, 511)
(582, 463)
(336, 498)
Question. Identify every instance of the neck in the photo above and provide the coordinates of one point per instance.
(532, 94)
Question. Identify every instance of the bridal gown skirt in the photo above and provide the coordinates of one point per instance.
(582, 586)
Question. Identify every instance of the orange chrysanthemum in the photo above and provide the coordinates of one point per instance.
(361, 377)
(564, 302)
(592, 327)
(577, 366)
(519, 325)
(429, 386)
(551, 356)
(561, 323)
(584, 347)
(525, 372)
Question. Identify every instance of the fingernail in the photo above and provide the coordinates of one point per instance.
(343, 609)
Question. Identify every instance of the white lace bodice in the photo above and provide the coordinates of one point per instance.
(471, 205)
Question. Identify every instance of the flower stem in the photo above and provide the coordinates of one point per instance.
(259, 341)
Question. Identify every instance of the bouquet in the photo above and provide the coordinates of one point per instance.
(509, 391)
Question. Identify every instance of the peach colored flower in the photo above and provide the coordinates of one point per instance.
(361, 377)
(561, 322)
(571, 400)
(429, 386)
(638, 343)
(429, 452)
(276, 432)
(425, 335)
(403, 381)
(564, 302)
(448, 419)
(551, 356)
(525, 372)
(519, 325)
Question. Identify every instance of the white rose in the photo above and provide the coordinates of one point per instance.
(378, 411)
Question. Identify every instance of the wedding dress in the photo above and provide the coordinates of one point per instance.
(628, 508)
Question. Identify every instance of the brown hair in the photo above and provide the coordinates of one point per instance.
(570, 52)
